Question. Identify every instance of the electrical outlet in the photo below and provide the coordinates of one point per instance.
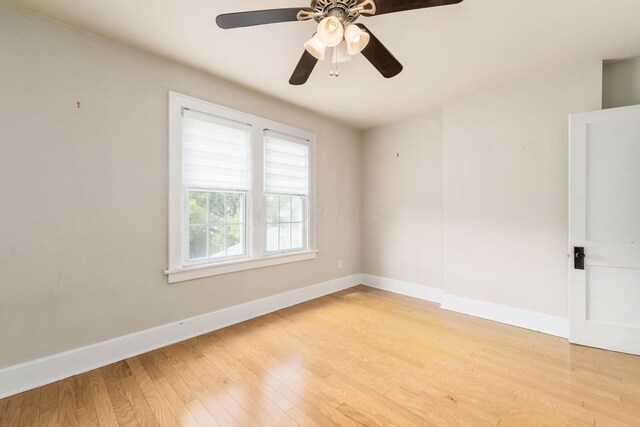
(340, 263)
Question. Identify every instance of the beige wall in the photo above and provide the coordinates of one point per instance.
(621, 83)
(402, 201)
(495, 168)
(505, 191)
(83, 192)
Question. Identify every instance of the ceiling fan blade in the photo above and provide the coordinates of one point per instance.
(380, 57)
(303, 70)
(258, 17)
(392, 6)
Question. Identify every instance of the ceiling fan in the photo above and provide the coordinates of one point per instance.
(336, 29)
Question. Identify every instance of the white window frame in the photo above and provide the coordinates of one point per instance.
(180, 269)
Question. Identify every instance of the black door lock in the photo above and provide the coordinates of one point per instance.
(578, 258)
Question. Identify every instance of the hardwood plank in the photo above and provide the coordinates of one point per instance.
(30, 414)
(176, 405)
(205, 407)
(200, 413)
(10, 415)
(85, 407)
(249, 396)
(141, 408)
(210, 402)
(66, 403)
(104, 408)
(121, 405)
(301, 419)
(150, 366)
(172, 376)
(156, 402)
(302, 409)
(49, 405)
(3, 402)
(221, 393)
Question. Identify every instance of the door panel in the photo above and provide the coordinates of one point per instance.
(605, 220)
(613, 295)
(613, 174)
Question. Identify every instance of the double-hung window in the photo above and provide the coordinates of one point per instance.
(241, 191)
(216, 180)
(286, 183)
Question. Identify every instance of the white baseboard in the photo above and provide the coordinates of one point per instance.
(405, 288)
(540, 322)
(25, 376)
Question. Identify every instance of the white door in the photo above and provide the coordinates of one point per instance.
(605, 221)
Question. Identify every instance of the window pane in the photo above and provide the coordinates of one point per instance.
(285, 208)
(272, 208)
(216, 208)
(296, 236)
(197, 242)
(285, 236)
(272, 237)
(235, 244)
(216, 241)
(197, 207)
(234, 208)
(216, 224)
(285, 223)
(296, 209)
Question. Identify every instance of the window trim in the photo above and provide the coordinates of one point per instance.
(255, 213)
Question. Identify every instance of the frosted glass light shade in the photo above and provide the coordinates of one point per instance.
(315, 47)
(342, 55)
(331, 31)
(356, 39)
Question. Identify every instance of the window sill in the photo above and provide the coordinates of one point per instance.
(199, 271)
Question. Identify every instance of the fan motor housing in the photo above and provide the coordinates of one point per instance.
(338, 8)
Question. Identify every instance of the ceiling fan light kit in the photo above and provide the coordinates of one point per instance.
(316, 48)
(336, 29)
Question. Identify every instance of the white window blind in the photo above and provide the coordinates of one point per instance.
(286, 165)
(216, 152)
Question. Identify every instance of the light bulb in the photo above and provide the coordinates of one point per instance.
(330, 31)
(357, 40)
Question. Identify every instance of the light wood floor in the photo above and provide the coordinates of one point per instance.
(359, 357)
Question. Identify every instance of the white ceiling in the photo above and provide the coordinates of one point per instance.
(448, 52)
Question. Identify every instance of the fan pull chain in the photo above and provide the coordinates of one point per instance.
(334, 63)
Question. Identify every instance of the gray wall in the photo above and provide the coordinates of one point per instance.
(83, 192)
(402, 200)
(621, 83)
